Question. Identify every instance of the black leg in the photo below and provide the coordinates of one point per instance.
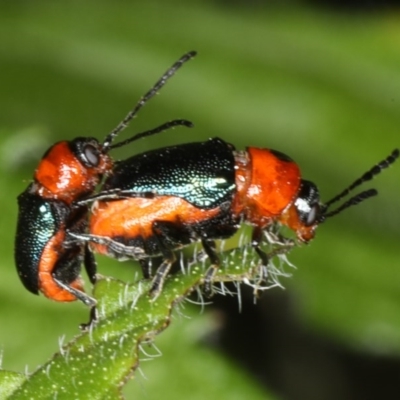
(146, 268)
(91, 270)
(256, 240)
(83, 297)
(114, 194)
(162, 232)
(209, 248)
(93, 317)
(161, 273)
(90, 264)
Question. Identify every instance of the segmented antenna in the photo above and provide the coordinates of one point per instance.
(151, 93)
(353, 201)
(161, 128)
(375, 170)
(360, 197)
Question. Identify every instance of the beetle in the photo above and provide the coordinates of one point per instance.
(164, 199)
(52, 205)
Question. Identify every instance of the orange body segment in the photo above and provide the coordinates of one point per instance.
(134, 217)
(62, 175)
(48, 260)
(267, 183)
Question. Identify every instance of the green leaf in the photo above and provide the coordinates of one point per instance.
(101, 359)
(9, 382)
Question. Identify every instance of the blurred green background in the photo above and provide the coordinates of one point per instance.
(321, 85)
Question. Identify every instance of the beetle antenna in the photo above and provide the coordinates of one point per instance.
(353, 201)
(151, 93)
(159, 129)
(367, 176)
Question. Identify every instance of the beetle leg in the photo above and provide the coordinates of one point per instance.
(161, 273)
(209, 248)
(256, 240)
(113, 194)
(162, 232)
(145, 264)
(83, 297)
(93, 317)
(90, 264)
(115, 249)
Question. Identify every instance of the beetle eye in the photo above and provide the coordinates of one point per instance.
(91, 155)
(87, 151)
(307, 203)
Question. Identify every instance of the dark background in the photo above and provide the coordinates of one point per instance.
(319, 82)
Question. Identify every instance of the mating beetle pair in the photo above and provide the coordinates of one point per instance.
(50, 209)
(155, 202)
